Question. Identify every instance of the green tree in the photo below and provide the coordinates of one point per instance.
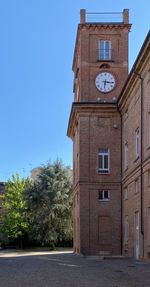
(49, 201)
(14, 217)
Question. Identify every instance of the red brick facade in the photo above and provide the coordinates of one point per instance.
(134, 105)
(101, 123)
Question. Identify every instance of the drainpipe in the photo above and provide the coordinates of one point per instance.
(121, 193)
(141, 171)
(121, 170)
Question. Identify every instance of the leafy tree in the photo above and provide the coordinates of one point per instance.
(49, 201)
(14, 217)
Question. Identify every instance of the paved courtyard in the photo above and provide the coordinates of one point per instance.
(48, 269)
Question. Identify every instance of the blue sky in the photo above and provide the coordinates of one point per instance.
(37, 40)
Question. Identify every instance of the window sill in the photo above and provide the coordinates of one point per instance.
(104, 200)
(107, 61)
(103, 172)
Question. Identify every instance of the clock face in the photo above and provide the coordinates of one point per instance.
(105, 82)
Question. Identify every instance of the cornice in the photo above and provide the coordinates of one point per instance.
(108, 25)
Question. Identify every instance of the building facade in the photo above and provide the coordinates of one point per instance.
(109, 117)
(134, 106)
(35, 172)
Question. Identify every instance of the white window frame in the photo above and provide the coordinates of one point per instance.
(126, 155)
(126, 229)
(137, 185)
(148, 177)
(103, 196)
(103, 153)
(104, 53)
(137, 142)
(148, 129)
(148, 224)
(126, 193)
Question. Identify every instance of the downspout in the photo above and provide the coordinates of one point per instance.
(142, 227)
(121, 191)
(141, 169)
(121, 173)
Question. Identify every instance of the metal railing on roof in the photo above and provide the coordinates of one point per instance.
(104, 17)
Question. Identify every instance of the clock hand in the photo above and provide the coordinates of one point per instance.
(104, 84)
(109, 82)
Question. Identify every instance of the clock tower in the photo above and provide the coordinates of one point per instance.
(100, 67)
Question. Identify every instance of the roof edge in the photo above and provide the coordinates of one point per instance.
(133, 69)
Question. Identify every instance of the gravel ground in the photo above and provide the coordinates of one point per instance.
(48, 269)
